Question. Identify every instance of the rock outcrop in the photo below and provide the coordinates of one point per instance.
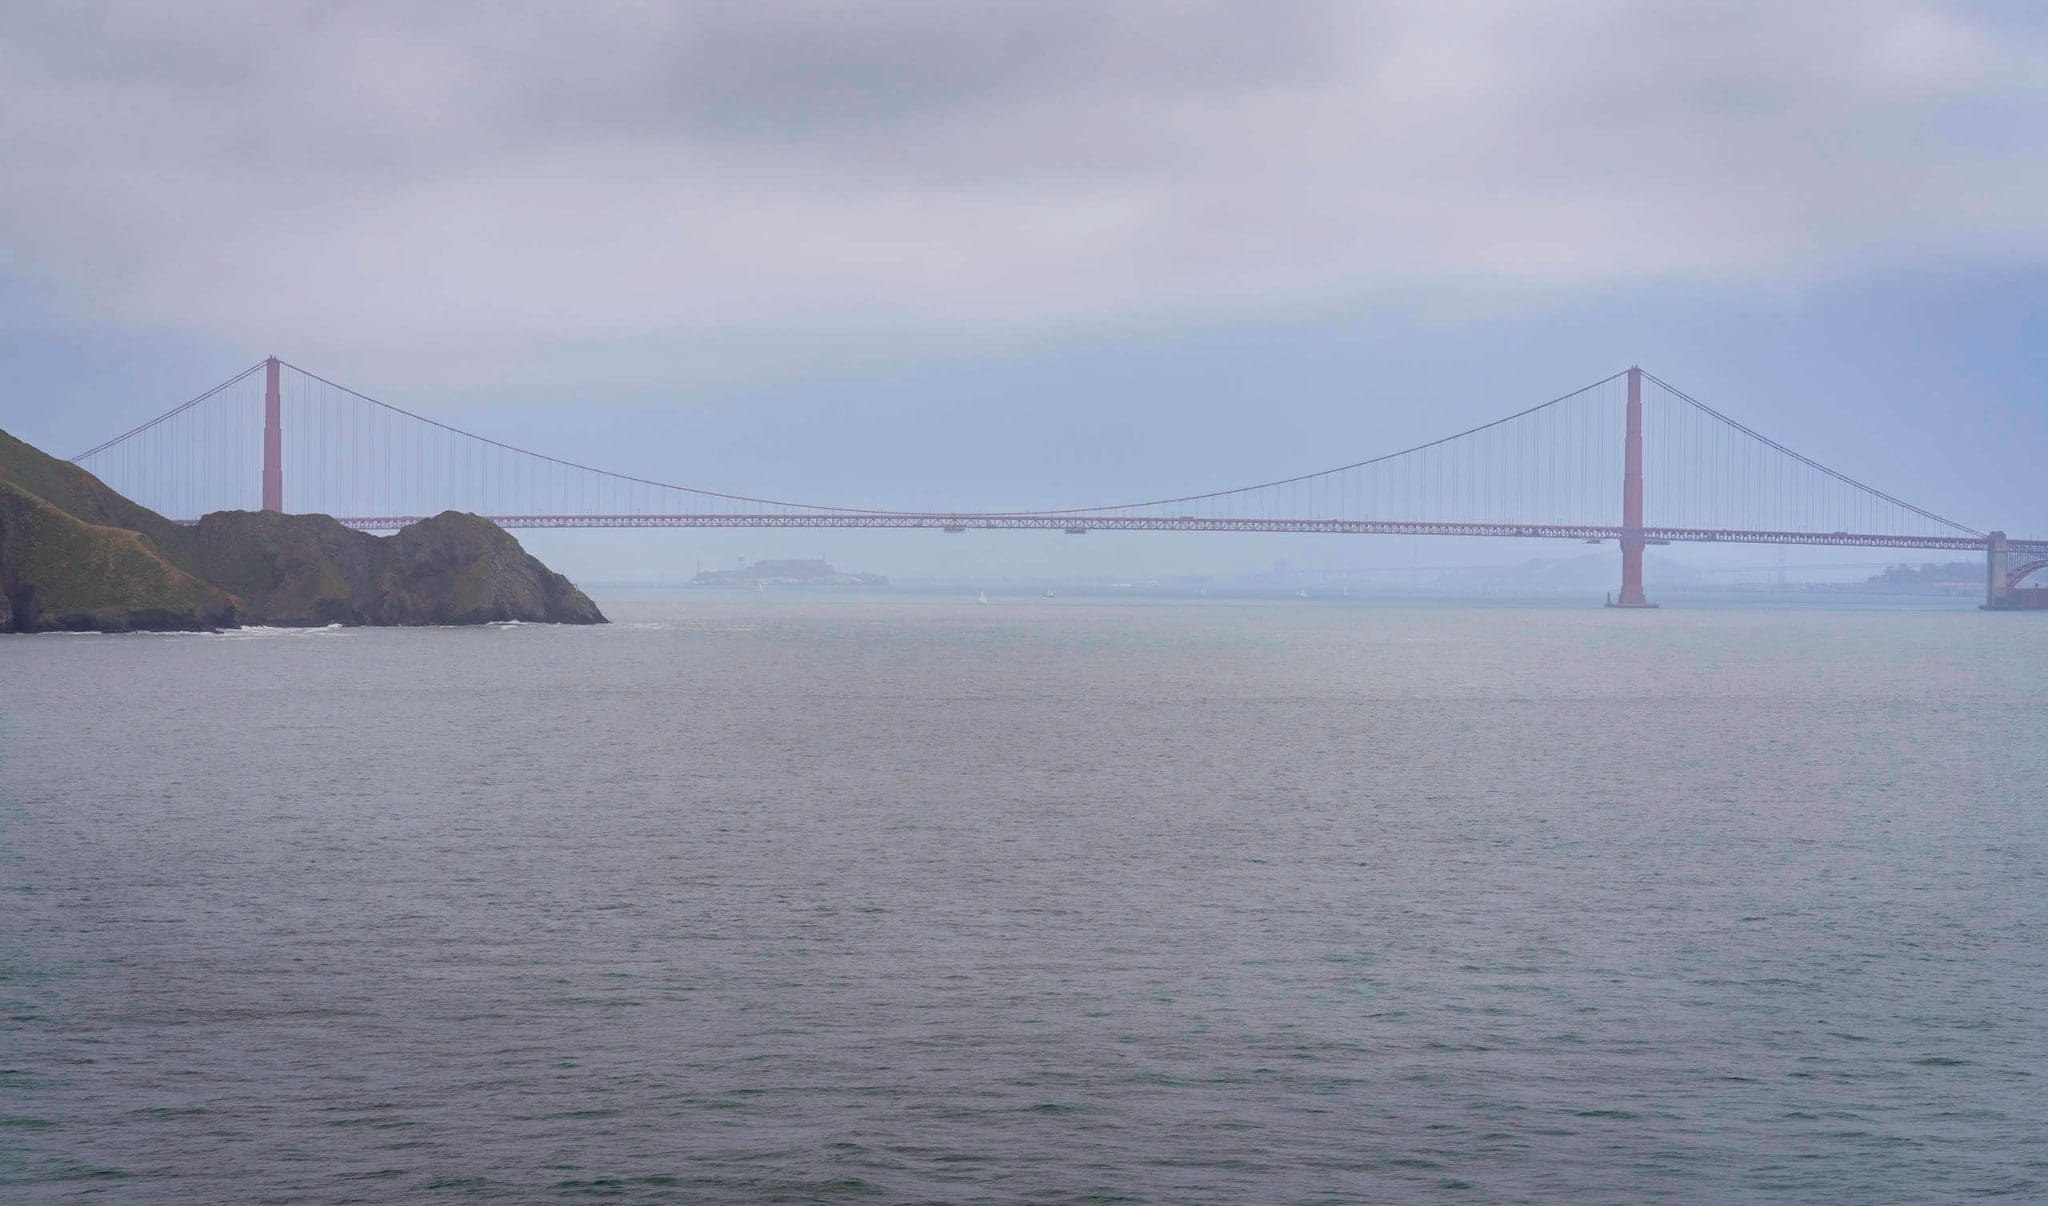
(458, 568)
(76, 555)
(301, 570)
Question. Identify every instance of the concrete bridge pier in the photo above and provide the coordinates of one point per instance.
(1997, 571)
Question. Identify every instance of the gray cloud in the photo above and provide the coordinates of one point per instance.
(378, 177)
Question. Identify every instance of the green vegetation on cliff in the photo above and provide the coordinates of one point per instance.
(450, 569)
(76, 555)
(458, 568)
(82, 496)
(59, 572)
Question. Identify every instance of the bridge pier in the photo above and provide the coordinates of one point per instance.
(1632, 541)
(1631, 575)
(1997, 572)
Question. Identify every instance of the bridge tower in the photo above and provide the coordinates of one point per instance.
(1632, 501)
(273, 440)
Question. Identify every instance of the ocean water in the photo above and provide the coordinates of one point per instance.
(826, 897)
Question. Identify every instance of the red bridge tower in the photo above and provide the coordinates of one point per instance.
(273, 440)
(1632, 501)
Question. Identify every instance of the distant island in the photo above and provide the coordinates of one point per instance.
(77, 556)
(817, 572)
(1931, 578)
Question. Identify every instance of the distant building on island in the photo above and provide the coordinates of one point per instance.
(1932, 578)
(818, 572)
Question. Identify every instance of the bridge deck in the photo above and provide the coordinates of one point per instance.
(941, 521)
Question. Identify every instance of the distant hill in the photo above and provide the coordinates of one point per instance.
(75, 555)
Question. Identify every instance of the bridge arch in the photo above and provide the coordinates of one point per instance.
(2018, 573)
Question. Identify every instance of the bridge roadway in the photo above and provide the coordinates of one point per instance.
(966, 521)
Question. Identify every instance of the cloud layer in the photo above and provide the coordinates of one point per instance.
(504, 177)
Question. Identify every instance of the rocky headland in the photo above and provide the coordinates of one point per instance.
(77, 556)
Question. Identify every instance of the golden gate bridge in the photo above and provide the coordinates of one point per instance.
(288, 440)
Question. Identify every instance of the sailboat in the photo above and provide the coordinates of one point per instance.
(982, 598)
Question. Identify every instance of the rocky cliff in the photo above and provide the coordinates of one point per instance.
(76, 555)
(297, 570)
(58, 572)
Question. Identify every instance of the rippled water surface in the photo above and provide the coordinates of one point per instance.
(861, 898)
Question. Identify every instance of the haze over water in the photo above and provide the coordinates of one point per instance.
(832, 897)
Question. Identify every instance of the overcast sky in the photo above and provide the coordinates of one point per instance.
(992, 252)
